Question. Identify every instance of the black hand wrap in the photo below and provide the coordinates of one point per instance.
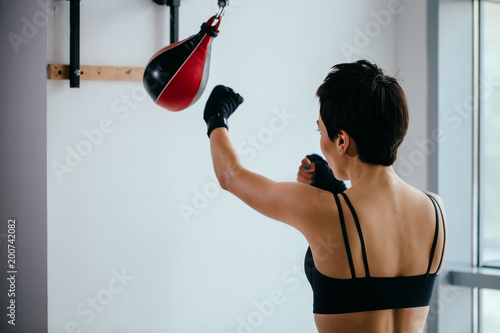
(323, 177)
(221, 104)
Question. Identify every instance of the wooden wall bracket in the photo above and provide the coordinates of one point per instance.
(100, 73)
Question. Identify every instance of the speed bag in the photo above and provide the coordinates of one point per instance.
(176, 76)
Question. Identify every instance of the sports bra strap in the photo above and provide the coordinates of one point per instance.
(360, 233)
(436, 206)
(444, 239)
(346, 239)
(434, 242)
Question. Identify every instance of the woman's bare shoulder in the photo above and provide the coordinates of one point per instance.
(417, 193)
(435, 196)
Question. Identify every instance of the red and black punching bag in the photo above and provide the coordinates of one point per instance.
(176, 76)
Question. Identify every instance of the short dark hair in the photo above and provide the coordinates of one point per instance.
(369, 105)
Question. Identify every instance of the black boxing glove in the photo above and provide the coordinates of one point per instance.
(221, 104)
(323, 177)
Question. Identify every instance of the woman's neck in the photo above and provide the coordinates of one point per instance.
(371, 175)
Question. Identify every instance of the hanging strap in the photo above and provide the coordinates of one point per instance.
(346, 239)
(360, 233)
(209, 28)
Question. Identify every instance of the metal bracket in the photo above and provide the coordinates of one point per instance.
(74, 44)
(174, 17)
(74, 72)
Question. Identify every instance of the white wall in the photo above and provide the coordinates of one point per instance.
(411, 66)
(143, 204)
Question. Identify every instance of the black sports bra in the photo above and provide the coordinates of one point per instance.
(334, 296)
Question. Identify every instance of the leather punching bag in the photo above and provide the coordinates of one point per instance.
(176, 76)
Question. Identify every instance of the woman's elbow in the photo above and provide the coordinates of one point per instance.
(224, 179)
(226, 176)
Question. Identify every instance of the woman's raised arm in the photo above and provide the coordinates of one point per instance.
(295, 204)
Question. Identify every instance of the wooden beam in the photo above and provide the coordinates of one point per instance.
(102, 73)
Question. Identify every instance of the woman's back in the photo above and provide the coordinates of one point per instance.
(398, 226)
(375, 249)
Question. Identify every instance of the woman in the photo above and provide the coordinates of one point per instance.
(385, 240)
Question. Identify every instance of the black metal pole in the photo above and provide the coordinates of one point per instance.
(174, 17)
(74, 44)
(174, 20)
(174, 23)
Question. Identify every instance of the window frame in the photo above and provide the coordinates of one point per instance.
(481, 86)
(463, 275)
